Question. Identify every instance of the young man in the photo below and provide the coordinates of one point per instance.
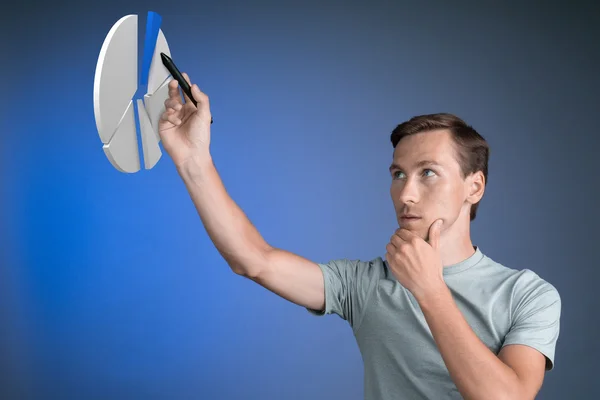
(436, 319)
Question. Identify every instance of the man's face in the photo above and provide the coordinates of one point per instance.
(427, 182)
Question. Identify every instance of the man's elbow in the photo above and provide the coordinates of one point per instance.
(505, 391)
(251, 265)
(514, 392)
(246, 270)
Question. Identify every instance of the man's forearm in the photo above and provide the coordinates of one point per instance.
(477, 372)
(234, 236)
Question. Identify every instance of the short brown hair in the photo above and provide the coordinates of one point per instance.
(473, 151)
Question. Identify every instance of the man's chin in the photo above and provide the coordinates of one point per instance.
(418, 230)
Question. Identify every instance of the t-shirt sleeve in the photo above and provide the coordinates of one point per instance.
(348, 287)
(536, 320)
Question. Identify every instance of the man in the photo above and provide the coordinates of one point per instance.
(437, 319)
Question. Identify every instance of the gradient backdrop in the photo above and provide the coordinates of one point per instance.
(110, 287)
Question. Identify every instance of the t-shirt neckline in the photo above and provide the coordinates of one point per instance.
(467, 263)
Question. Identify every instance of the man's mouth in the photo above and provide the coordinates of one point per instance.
(407, 217)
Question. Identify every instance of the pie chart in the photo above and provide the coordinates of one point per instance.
(116, 85)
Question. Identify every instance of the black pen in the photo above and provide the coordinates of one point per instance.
(170, 65)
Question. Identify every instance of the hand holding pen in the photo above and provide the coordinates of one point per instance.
(185, 86)
(184, 127)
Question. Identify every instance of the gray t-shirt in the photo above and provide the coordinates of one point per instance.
(401, 360)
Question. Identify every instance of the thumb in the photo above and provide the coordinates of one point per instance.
(189, 82)
(201, 97)
(434, 233)
(196, 92)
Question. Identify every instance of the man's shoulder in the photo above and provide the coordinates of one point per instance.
(532, 307)
(521, 282)
(358, 269)
(365, 265)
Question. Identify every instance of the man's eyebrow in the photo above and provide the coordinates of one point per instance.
(422, 163)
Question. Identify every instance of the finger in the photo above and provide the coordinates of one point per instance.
(396, 241)
(390, 248)
(187, 78)
(202, 98)
(434, 233)
(189, 82)
(174, 91)
(186, 98)
(170, 117)
(405, 234)
(172, 104)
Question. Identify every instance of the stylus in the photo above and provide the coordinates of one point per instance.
(170, 65)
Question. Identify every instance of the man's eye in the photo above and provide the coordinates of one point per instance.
(400, 174)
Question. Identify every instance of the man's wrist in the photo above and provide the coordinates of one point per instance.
(195, 164)
(432, 298)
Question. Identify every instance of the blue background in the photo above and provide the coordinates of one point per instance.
(111, 288)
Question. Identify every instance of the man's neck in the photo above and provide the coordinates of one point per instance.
(455, 254)
(456, 245)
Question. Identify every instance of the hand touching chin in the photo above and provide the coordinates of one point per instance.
(416, 261)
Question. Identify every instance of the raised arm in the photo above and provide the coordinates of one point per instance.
(185, 133)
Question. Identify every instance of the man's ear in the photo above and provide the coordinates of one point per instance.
(476, 186)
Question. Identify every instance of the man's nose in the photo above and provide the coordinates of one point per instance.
(409, 193)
